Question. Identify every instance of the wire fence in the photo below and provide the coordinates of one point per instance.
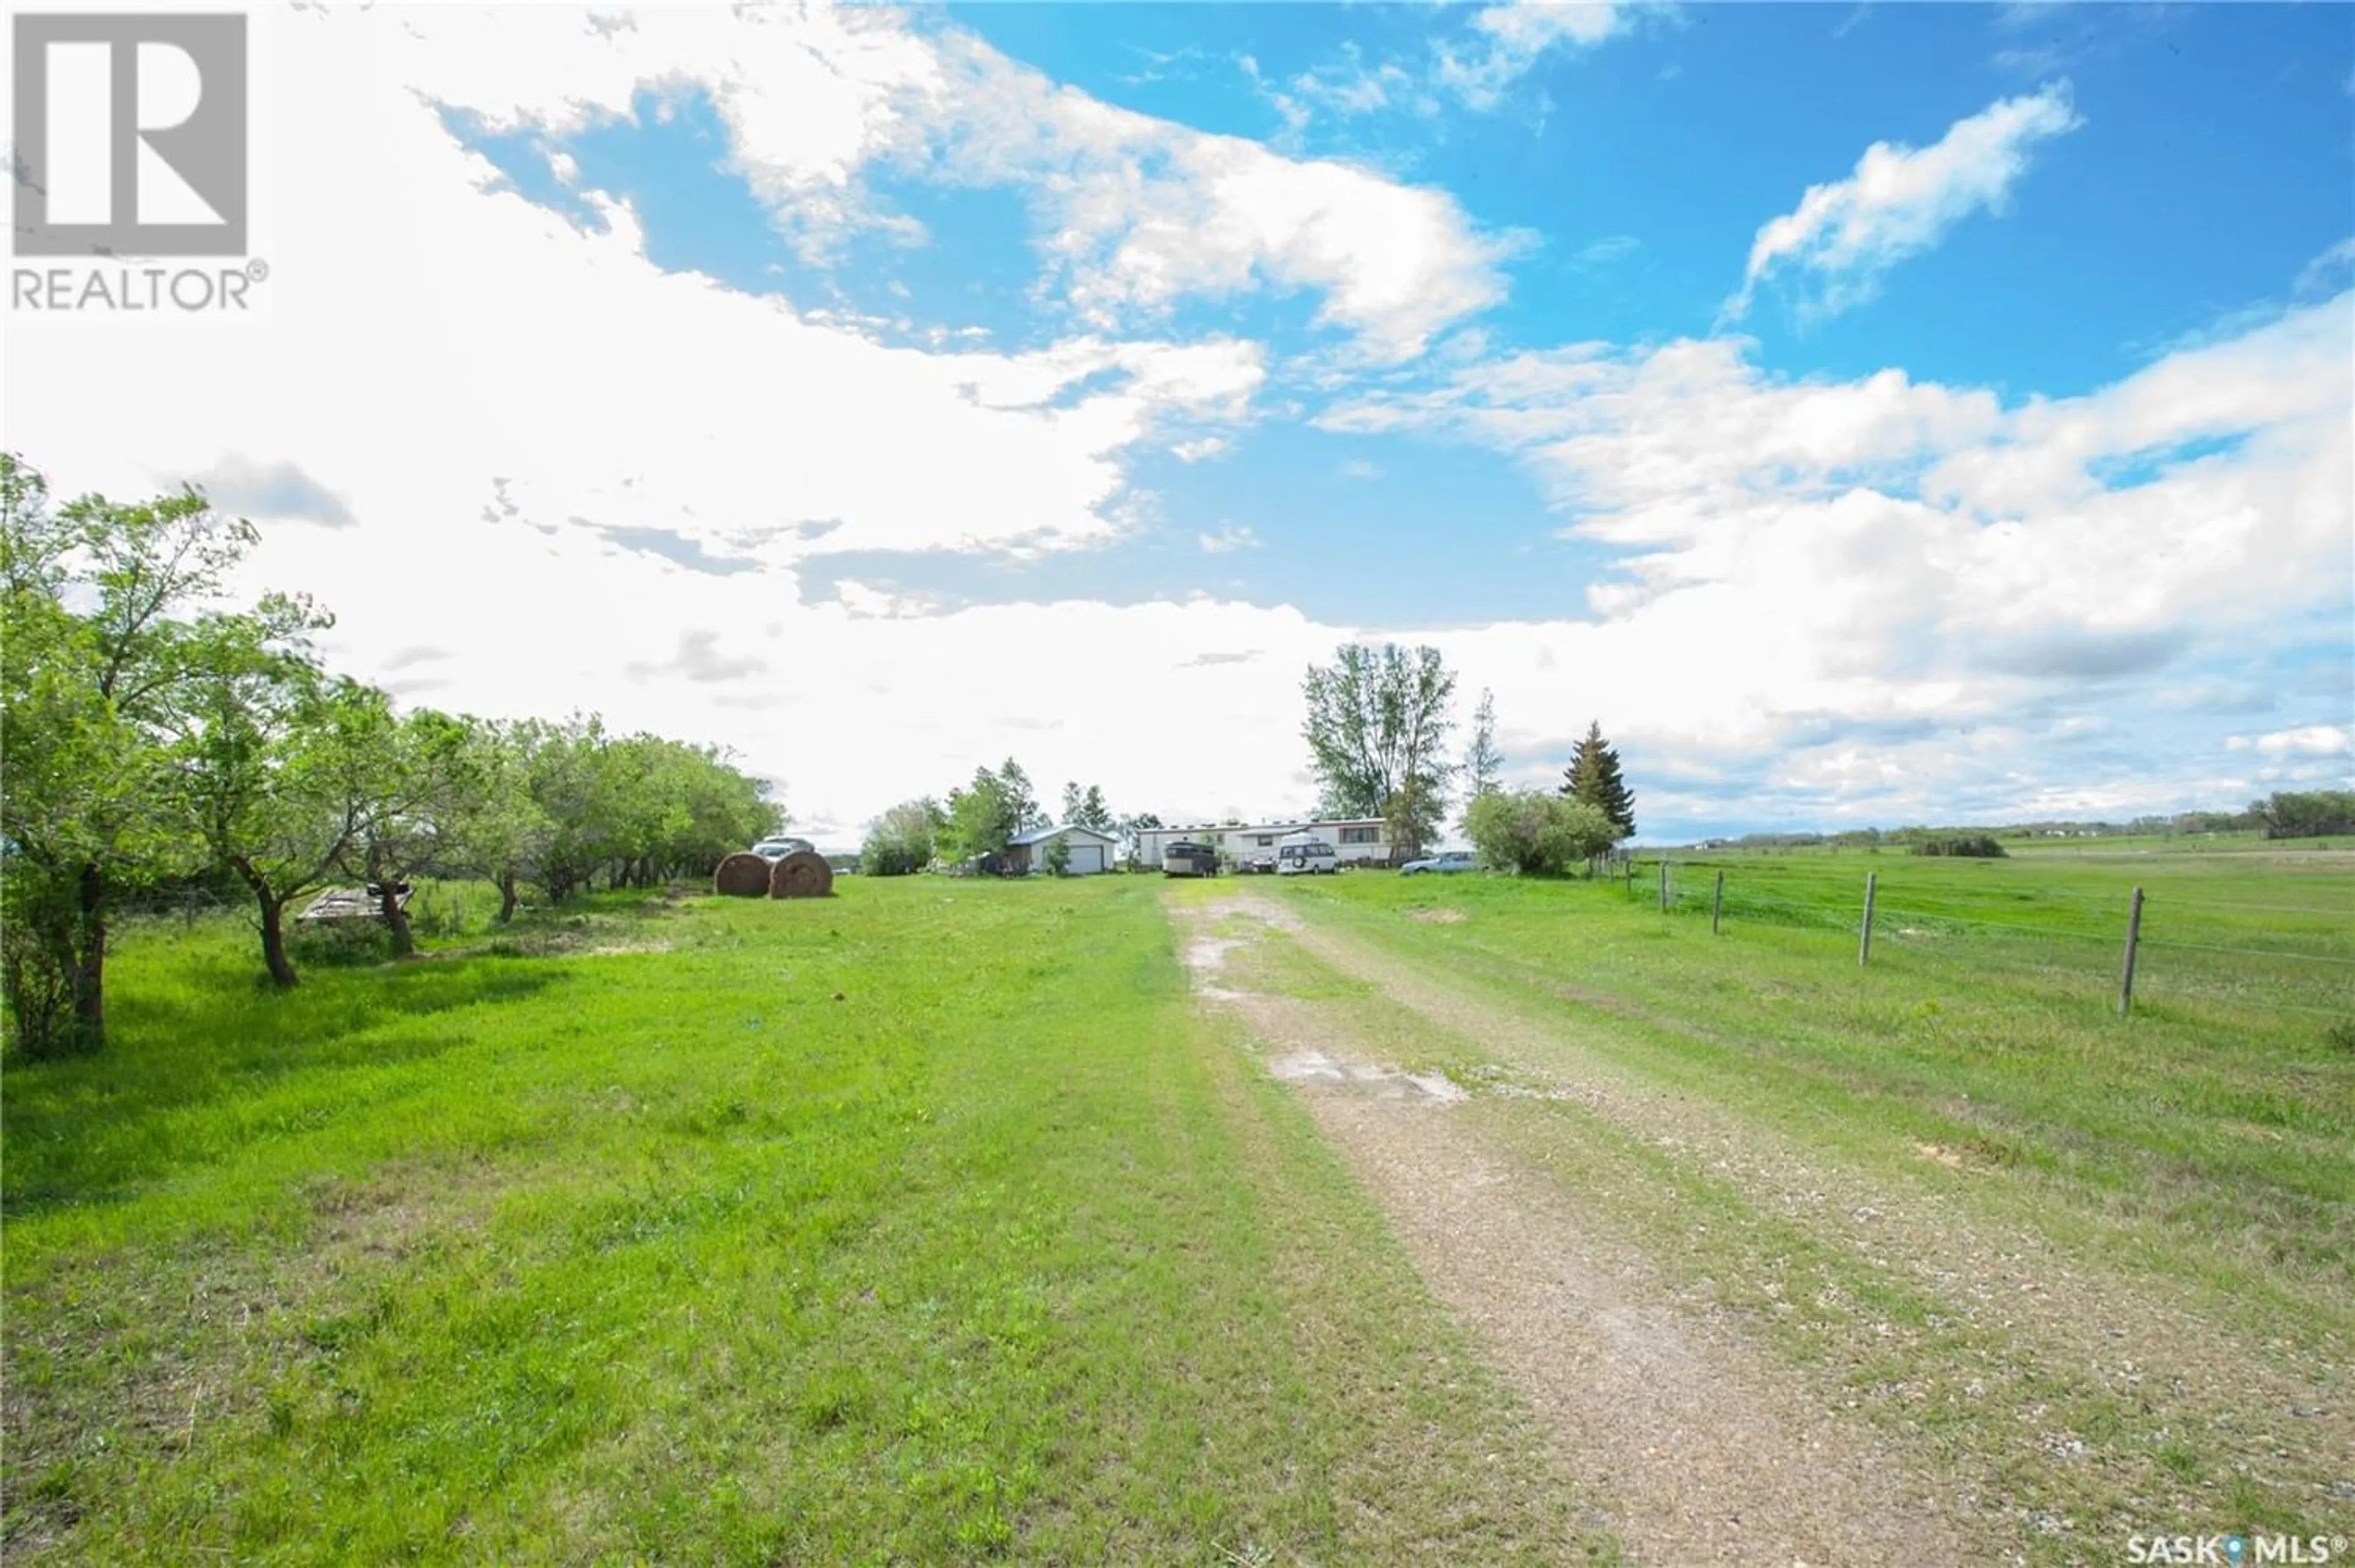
(2145, 947)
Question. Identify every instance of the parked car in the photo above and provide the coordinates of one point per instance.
(1259, 866)
(1305, 855)
(1453, 860)
(778, 848)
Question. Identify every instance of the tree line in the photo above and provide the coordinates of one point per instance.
(979, 821)
(153, 740)
(1378, 722)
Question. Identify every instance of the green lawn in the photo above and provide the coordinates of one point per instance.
(930, 1223)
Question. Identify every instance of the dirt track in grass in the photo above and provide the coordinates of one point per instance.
(1705, 1448)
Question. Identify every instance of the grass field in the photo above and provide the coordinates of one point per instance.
(2258, 932)
(931, 1222)
(2222, 1112)
(937, 1221)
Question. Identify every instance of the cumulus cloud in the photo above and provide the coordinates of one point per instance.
(1880, 547)
(1228, 540)
(1845, 236)
(1132, 213)
(2306, 740)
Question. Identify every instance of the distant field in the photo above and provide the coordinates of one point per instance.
(928, 1223)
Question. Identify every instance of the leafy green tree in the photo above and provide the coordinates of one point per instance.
(495, 827)
(568, 787)
(2305, 814)
(268, 771)
(1132, 830)
(985, 815)
(1537, 833)
(1087, 808)
(725, 809)
(900, 840)
(93, 660)
(1593, 777)
(1376, 723)
(635, 809)
(403, 775)
(1021, 800)
(1058, 857)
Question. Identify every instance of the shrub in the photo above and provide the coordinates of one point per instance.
(902, 841)
(1537, 833)
(338, 944)
(1968, 846)
(36, 947)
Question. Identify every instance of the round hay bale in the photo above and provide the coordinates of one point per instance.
(804, 874)
(741, 876)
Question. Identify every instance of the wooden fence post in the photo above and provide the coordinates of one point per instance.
(1717, 905)
(1664, 884)
(2134, 936)
(1864, 938)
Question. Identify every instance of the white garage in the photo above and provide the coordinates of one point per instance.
(1086, 851)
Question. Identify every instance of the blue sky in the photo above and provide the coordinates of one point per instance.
(1869, 412)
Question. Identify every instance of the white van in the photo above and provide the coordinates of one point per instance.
(1304, 854)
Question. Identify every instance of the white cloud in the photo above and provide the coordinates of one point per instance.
(1228, 540)
(1196, 450)
(1499, 46)
(1884, 549)
(1138, 213)
(1843, 236)
(1344, 87)
(2328, 271)
(1134, 213)
(1609, 249)
(1511, 38)
(2307, 741)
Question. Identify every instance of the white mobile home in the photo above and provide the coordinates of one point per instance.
(1356, 842)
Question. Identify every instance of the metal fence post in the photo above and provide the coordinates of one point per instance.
(1864, 938)
(2134, 936)
(1717, 905)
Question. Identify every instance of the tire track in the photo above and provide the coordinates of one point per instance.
(1706, 1449)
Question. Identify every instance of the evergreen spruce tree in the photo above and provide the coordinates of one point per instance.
(1593, 776)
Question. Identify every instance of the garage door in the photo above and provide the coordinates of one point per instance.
(1086, 857)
